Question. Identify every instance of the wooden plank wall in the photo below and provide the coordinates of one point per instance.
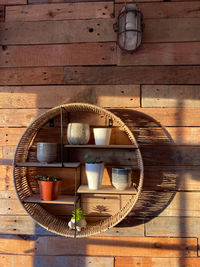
(60, 51)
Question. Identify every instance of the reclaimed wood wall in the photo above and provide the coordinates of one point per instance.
(61, 51)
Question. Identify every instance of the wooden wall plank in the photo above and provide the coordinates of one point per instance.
(2, 13)
(188, 9)
(171, 30)
(162, 54)
(183, 204)
(171, 178)
(43, 96)
(13, 2)
(58, 55)
(95, 30)
(170, 155)
(11, 207)
(159, 116)
(24, 225)
(22, 118)
(121, 246)
(47, 32)
(18, 245)
(173, 226)
(6, 178)
(170, 116)
(155, 262)
(167, 135)
(59, 11)
(133, 75)
(25, 76)
(170, 96)
(52, 261)
(52, 32)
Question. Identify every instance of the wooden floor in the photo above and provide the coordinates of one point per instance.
(61, 51)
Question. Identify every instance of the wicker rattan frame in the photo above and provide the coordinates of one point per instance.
(23, 189)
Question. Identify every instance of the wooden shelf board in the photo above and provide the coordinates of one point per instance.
(103, 146)
(49, 165)
(62, 199)
(106, 190)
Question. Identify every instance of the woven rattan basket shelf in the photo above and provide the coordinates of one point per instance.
(23, 187)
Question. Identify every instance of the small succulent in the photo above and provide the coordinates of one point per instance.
(91, 159)
(79, 215)
(47, 178)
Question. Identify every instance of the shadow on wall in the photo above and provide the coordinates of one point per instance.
(158, 152)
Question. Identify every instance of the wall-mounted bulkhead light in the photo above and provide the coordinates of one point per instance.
(129, 28)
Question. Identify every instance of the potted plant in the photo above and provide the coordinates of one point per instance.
(49, 186)
(94, 168)
(79, 217)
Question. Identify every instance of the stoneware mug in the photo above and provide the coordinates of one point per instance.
(121, 178)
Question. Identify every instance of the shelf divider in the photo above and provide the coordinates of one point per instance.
(62, 199)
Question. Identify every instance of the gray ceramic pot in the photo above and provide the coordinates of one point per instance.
(121, 178)
(78, 133)
(46, 152)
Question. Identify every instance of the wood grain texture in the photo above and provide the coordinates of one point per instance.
(95, 30)
(175, 9)
(43, 96)
(11, 207)
(170, 96)
(183, 204)
(31, 76)
(172, 178)
(53, 32)
(159, 116)
(121, 246)
(13, 2)
(162, 54)
(6, 181)
(173, 226)
(133, 75)
(156, 262)
(52, 261)
(59, 11)
(170, 116)
(21, 117)
(18, 245)
(58, 55)
(2, 13)
(171, 30)
(167, 135)
(171, 156)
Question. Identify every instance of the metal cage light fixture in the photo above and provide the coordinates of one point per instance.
(129, 28)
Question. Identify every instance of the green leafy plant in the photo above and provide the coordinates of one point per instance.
(90, 159)
(79, 215)
(47, 178)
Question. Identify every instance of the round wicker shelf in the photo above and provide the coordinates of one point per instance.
(24, 188)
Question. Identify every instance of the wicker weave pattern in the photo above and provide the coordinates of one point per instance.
(23, 189)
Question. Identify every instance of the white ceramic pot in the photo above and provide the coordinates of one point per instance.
(94, 173)
(78, 133)
(102, 136)
(79, 225)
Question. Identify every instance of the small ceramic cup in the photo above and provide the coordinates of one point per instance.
(78, 133)
(46, 152)
(121, 178)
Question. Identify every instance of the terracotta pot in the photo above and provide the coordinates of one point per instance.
(49, 190)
